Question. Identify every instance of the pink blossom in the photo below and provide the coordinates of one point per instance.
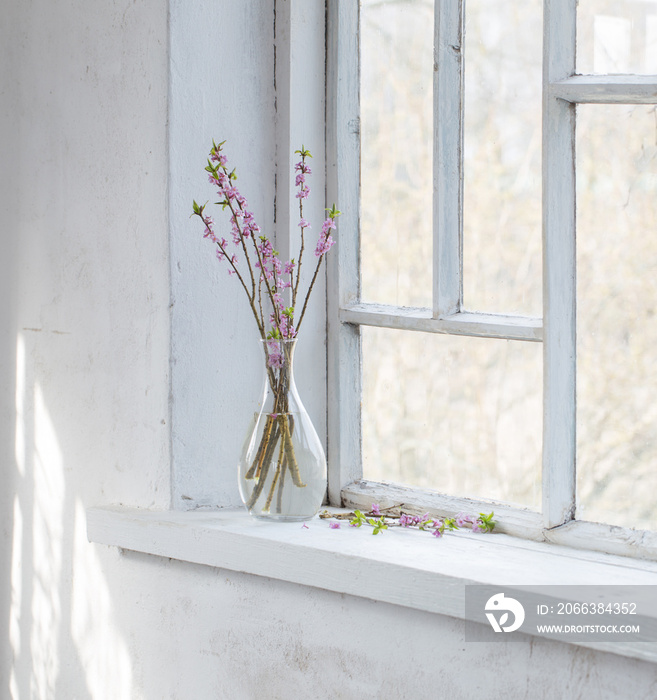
(303, 223)
(275, 357)
(325, 242)
(323, 246)
(216, 158)
(334, 526)
(375, 509)
(463, 519)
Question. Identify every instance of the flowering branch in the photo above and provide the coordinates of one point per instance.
(300, 181)
(380, 521)
(324, 244)
(275, 275)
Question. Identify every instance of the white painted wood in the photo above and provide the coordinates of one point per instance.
(421, 319)
(284, 192)
(558, 268)
(447, 159)
(605, 89)
(215, 355)
(300, 74)
(605, 538)
(343, 188)
(300, 67)
(353, 562)
(513, 520)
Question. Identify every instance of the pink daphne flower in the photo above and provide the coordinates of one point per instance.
(216, 158)
(334, 526)
(375, 509)
(325, 242)
(274, 355)
(464, 519)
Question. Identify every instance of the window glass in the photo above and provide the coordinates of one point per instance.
(617, 314)
(617, 36)
(455, 414)
(396, 145)
(502, 157)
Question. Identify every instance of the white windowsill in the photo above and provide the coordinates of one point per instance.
(401, 567)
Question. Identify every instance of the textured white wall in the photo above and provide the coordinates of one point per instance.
(84, 359)
(84, 383)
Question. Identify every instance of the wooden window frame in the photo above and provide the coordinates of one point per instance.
(563, 89)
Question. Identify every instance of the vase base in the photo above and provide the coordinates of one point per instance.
(277, 517)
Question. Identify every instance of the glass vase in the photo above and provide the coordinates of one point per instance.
(282, 469)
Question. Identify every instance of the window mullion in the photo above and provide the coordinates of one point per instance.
(447, 161)
(559, 439)
(343, 188)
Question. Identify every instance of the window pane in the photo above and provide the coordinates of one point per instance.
(617, 36)
(502, 156)
(616, 316)
(396, 159)
(458, 415)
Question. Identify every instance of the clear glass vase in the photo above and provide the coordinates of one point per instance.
(282, 469)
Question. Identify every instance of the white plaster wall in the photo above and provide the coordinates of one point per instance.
(84, 392)
(84, 335)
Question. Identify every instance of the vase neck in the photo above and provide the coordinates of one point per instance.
(279, 354)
